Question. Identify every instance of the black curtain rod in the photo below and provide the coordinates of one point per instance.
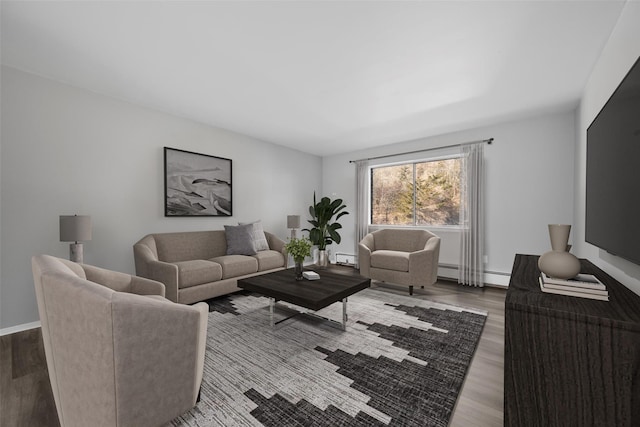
(488, 141)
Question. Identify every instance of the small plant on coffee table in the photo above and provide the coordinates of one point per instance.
(299, 250)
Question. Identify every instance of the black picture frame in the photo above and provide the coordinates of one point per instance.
(196, 184)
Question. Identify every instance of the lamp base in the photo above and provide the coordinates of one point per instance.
(75, 252)
(294, 234)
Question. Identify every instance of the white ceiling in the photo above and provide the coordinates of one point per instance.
(324, 77)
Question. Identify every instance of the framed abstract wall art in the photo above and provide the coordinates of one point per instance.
(196, 184)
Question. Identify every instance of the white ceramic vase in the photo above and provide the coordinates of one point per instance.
(558, 262)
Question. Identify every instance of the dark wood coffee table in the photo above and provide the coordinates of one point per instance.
(310, 294)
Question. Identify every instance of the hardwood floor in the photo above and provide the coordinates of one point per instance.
(26, 399)
(25, 392)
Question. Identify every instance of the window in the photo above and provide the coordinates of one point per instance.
(416, 194)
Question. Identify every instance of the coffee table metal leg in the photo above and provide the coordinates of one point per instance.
(272, 302)
(344, 314)
(342, 325)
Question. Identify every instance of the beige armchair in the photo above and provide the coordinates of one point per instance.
(402, 256)
(118, 353)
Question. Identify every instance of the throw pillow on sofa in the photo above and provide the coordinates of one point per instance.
(259, 238)
(240, 239)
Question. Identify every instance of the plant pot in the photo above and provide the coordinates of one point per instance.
(323, 259)
(298, 270)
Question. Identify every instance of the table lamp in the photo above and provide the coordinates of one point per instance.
(293, 222)
(75, 228)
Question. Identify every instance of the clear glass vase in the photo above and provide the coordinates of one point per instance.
(323, 259)
(298, 270)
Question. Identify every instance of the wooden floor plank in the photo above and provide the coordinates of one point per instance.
(27, 399)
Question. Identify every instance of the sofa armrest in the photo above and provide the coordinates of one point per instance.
(368, 242)
(364, 260)
(144, 252)
(167, 274)
(149, 266)
(433, 244)
(122, 282)
(275, 243)
(203, 309)
(423, 264)
(157, 353)
(144, 286)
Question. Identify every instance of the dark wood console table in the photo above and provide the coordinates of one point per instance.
(570, 361)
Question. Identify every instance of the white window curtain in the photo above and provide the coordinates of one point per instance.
(471, 266)
(362, 200)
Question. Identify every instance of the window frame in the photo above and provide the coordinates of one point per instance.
(410, 162)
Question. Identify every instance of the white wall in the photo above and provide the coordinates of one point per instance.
(529, 184)
(68, 151)
(620, 53)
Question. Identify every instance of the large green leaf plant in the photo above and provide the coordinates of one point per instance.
(324, 232)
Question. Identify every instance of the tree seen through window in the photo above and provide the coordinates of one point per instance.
(424, 193)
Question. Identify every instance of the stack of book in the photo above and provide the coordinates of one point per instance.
(583, 286)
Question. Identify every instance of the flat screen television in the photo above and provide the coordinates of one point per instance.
(613, 172)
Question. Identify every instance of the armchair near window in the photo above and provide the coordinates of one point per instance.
(118, 352)
(402, 256)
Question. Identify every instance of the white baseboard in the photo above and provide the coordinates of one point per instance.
(500, 279)
(448, 272)
(19, 328)
(492, 278)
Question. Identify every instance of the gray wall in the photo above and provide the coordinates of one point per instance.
(68, 151)
(529, 184)
(620, 53)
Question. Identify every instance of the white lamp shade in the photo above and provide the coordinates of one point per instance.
(293, 221)
(75, 228)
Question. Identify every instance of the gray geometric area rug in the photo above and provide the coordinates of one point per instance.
(401, 362)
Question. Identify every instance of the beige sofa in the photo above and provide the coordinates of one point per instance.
(194, 265)
(402, 256)
(118, 353)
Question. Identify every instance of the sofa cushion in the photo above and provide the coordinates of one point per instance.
(268, 260)
(259, 238)
(197, 272)
(240, 239)
(236, 265)
(390, 260)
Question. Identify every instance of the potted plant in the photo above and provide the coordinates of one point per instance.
(324, 232)
(299, 250)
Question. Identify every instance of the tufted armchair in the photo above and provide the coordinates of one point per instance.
(402, 256)
(118, 352)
